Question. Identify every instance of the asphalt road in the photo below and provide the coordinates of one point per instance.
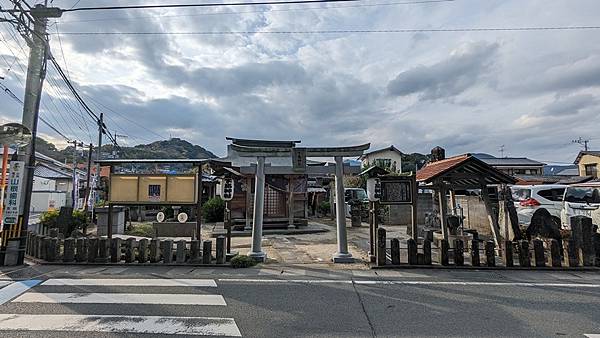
(297, 302)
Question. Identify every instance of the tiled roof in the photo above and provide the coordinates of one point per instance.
(470, 168)
(434, 169)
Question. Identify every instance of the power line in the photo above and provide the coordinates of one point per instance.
(286, 2)
(259, 11)
(344, 31)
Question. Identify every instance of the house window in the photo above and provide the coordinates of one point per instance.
(383, 162)
(591, 170)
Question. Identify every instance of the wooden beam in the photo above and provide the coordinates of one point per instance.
(493, 220)
(291, 202)
(443, 210)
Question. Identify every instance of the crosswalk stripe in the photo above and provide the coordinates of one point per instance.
(196, 326)
(5, 283)
(130, 282)
(121, 298)
(17, 288)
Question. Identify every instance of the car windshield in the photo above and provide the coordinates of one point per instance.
(361, 195)
(520, 194)
(582, 195)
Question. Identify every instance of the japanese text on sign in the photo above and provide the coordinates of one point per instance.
(13, 196)
(396, 192)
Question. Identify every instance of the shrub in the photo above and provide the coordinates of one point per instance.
(242, 261)
(214, 209)
(49, 219)
(325, 207)
(142, 230)
(79, 219)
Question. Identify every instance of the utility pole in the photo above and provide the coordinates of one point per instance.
(88, 176)
(583, 142)
(502, 151)
(115, 146)
(36, 72)
(74, 194)
(100, 131)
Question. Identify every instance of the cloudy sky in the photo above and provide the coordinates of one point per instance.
(532, 92)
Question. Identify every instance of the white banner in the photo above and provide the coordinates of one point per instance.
(13, 194)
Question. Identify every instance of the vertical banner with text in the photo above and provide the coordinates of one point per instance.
(13, 195)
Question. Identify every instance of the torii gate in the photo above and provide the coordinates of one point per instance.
(298, 156)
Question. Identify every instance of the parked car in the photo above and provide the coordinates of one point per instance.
(531, 198)
(581, 199)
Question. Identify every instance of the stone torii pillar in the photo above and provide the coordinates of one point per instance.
(342, 255)
(257, 224)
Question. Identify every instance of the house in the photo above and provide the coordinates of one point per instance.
(513, 165)
(389, 158)
(588, 163)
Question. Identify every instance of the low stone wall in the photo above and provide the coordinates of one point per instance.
(129, 251)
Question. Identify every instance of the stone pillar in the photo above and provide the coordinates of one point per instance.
(92, 250)
(82, 249)
(444, 256)
(490, 253)
(573, 253)
(538, 253)
(143, 250)
(475, 260)
(195, 252)
(115, 250)
(102, 250)
(443, 210)
(524, 260)
(167, 251)
(259, 200)
(206, 252)
(411, 245)
(459, 256)
(596, 241)
(587, 245)
(69, 250)
(220, 250)
(130, 250)
(508, 254)
(426, 252)
(395, 252)
(380, 253)
(51, 249)
(40, 247)
(342, 255)
(154, 251)
(555, 254)
(180, 254)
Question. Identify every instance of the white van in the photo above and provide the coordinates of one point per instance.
(581, 199)
(530, 198)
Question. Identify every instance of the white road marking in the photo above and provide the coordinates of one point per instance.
(131, 282)
(15, 289)
(195, 326)
(5, 282)
(591, 335)
(404, 282)
(121, 298)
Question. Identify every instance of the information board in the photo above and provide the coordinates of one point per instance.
(396, 190)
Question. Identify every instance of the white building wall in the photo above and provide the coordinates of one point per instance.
(43, 184)
(393, 156)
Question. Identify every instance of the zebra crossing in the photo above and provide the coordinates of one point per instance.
(86, 294)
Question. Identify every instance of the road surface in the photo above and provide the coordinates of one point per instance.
(120, 301)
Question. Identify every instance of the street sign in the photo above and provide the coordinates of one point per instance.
(13, 195)
(396, 190)
(228, 186)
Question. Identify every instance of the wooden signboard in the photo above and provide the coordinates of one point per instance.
(397, 190)
(153, 189)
